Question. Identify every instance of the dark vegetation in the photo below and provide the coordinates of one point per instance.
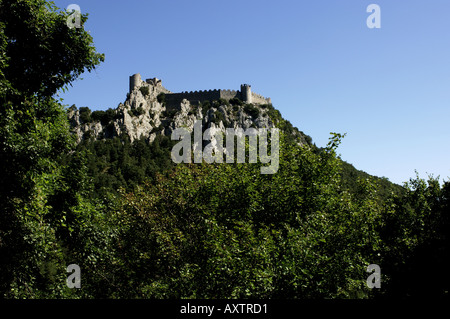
(252, 110)
(144, 90)
(141, 227)
(161, 98)
(117, 163)
(104, 117)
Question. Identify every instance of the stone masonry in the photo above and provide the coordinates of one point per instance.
(245, 94)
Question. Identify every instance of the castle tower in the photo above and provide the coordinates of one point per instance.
(246, 93)
(135, 80)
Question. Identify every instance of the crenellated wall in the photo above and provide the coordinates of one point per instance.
(174, 99)
(259, 99)
(230, 94)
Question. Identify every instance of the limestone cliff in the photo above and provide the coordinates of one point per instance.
(146, 113)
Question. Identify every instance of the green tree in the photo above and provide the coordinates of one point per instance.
(39, 55)
(415, 232)
(226, 231)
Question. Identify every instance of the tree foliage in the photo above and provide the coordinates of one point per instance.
(117, 163)
(226, 231)
(39, 55)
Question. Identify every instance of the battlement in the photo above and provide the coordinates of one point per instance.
(230, 94)
(245, 94)
(259, 99)
(197, 92)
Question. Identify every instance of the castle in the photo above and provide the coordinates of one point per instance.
(245, 94)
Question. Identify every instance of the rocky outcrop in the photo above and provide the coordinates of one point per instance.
(145, 114)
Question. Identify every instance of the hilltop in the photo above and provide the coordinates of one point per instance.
(131, 143)
(151, 110)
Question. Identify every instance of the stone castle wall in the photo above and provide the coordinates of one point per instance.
(259, 99)
(230, 94)
(200, 96)
(174, 99)
(212, 95)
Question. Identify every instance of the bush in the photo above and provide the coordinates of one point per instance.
(138, 111)
(98, 116)
(206, 105)
(219, 117)
(308, 139)
(87, 135)
(252, 110)
(104, 116)
(222, 101)
(274, 114)
(236, 101)
(169, 113)
(144, 90)
(85, 115)
(161, 98)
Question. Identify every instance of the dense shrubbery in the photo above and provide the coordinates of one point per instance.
(169, 113)
(161, 98)
(117, 163)
(138, 111)
(219, 117)
(385, 190)
(145, 90)
(226, 231)
(252, 110)
(104, 117)
(236, 101)
(85, 115)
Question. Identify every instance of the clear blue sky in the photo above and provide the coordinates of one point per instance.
(325, 70)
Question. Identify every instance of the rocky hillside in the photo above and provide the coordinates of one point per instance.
(146, 117)
(145, 114)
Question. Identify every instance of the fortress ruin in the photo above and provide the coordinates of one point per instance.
(245, 94)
